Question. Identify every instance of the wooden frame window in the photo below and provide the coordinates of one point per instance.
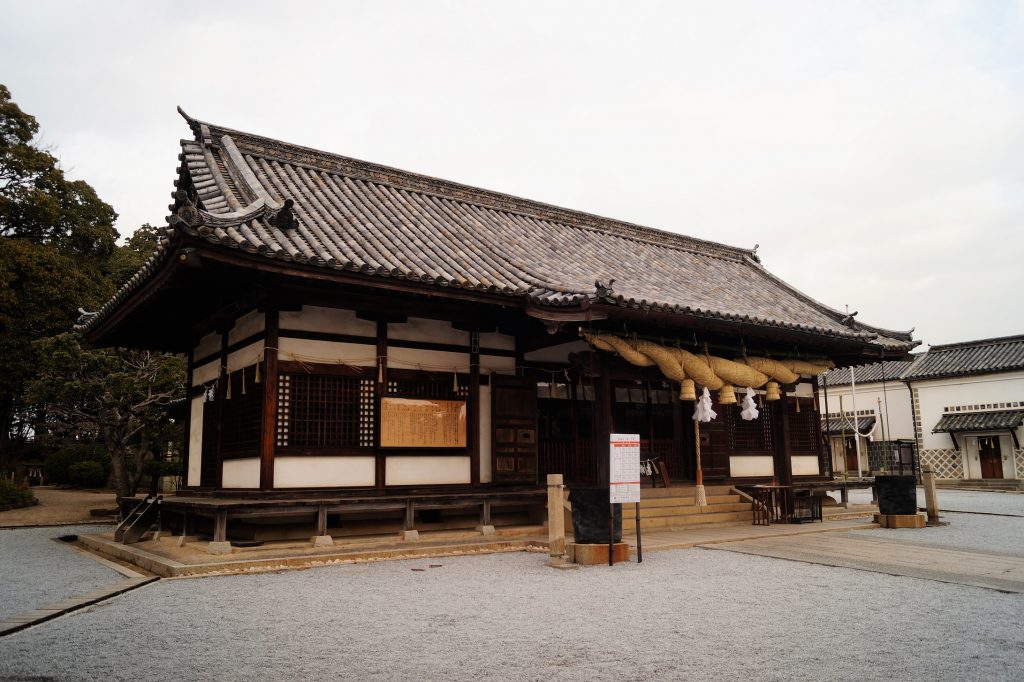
(325, 412)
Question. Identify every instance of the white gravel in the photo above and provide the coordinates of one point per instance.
(962, 500)
(36, 571)
(999, 529)
(686, 614)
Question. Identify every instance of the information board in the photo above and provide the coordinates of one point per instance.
(422, 423)
(625, 468)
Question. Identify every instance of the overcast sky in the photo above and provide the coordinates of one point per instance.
(874, 150)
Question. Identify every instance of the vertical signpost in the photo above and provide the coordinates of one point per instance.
(623, 484)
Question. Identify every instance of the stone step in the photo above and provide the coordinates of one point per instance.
(668, 522)
(682, 491)
(681, 501)
(629, 511)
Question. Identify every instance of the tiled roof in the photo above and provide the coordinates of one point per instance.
(979, 421)
(970, 357)
(866, 374)
(381, 222)
(835, 426)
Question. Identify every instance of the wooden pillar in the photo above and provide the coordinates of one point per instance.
(222, 392)
(186, 450)
(268, 438)
(783, 451)
(603, 421)
(824, 447)
(556, 516)
(380, 460)
(474, 407)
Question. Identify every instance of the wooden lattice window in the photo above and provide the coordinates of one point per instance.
(803, 426)
(441, 386)
(242, 415)
(320, 412)
(755, 436)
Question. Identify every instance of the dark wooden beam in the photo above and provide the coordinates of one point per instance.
(222, 391)
(268, 435)
(186, 449)
(380, 461)
(474, 407)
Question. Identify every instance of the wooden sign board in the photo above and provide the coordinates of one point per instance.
(422, 423)
(624, 482)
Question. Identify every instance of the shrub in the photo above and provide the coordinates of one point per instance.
(58, 464)
(87, 474)
(12, 495)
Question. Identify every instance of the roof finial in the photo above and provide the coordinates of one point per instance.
(184, 115)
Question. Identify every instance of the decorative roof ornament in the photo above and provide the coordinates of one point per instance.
(285, 218)
(605, 291)
(186, 212)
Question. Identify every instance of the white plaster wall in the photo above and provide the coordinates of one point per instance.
(490, 364)
(251, 323)
(557, 353)
(978, 390)
(208, 345)
(422, 329)
(195, 442)
(430, 360)
(804, 465)
(323, 472)
(241, 473)
(333, 320)
(485, 434)
(359, 355)
(426, 470)
(751, 465)
(243, 357)
(900, 423)
(497, 341)
(205, 373)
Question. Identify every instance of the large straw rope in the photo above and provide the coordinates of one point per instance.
(773, 368)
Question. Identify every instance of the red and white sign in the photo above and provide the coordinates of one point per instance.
(624, 482)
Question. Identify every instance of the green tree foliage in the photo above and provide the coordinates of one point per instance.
(56, 242)
(117, 398)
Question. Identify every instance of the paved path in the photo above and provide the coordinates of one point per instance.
(12, 624)
(697, 536)
(881, 555)
(59, 507)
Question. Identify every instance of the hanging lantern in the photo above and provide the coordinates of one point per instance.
(687, 391)
(771, 391)
(726, 395)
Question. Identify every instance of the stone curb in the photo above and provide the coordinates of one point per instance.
(13, 624)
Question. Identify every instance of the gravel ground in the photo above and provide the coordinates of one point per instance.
(35, 571)
(962, 500)
(984, 532)
(685, 614)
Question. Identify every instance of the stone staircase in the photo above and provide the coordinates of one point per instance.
(675, 508)
(997, 484)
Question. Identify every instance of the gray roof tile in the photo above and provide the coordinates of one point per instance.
(979, 421)
(379, 221)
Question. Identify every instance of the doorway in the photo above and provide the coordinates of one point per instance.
(991, 457)
(852, 461)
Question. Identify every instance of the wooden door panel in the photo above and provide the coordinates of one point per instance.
(991, 457)
(514, 429)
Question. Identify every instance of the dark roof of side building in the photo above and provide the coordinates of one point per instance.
(1004, 354)
(985, 356)
(280, 201)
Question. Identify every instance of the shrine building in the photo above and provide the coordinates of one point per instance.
(391, 345)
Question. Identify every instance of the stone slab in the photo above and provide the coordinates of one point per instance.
(900, 520)
(592, 555)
